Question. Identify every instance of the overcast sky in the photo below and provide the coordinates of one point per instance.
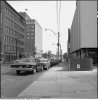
(45, 14)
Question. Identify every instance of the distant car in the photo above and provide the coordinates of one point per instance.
(25, 64)
(45, 63)
(16, 61)
(54, 62)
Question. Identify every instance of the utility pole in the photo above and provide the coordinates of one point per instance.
(58, 44)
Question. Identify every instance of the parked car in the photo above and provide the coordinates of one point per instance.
(39, 66)
(16, 61)
(54, 62)
(25, 64)
(45, 63)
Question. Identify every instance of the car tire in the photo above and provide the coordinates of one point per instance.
(18, 72)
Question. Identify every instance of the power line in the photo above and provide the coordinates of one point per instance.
(59, 15)
(58, 11)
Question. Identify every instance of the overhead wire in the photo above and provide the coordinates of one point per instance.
(58, 10)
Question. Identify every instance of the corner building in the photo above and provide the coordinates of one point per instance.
(83, 33)
(13, 29)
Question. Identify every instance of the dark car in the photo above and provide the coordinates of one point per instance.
(25, 64)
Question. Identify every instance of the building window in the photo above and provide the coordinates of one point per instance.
(32, 26)
(28, 33)
(28, 37)
(5, 38)
(32, 37)
(32, 29)
(32, 33)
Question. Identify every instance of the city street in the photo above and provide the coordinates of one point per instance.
(57, 82)
(13, 84)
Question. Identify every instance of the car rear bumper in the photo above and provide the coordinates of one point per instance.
(22, 69)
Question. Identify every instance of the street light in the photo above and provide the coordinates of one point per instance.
(58, 44)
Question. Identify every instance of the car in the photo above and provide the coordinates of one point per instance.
(25, 64)
(45, 63)
(16, 61)
(54, 62)
(39, 66)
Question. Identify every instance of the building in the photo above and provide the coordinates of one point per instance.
(33, 37)
(68, 42)
(12, 32)
(83, 33)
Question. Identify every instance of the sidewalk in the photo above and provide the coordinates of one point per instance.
(5, 68)
(57, 83)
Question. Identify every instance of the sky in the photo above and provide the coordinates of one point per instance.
(44, 12)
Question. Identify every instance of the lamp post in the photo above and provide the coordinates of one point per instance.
(58, 44)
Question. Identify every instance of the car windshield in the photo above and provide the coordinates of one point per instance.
(44, 60)
(27, 60)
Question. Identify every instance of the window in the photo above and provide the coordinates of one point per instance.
(32, 37)
(32, 26)
(5, 19)
(4, 38)
(28, 33)
(28, 37)
(5, 28)
(32, 29)
(4, 47)
(32, 33)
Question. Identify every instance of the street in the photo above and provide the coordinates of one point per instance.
(13, 84)
(57, 82)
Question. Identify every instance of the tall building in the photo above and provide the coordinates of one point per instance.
(12, 31)
(33, 37)
(83, 33)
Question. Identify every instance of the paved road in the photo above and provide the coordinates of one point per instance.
(13, 84)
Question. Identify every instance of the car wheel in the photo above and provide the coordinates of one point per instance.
(18, 72)
(34, 71)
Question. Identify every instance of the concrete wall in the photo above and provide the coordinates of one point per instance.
(75, 31)
(88, 24)
(84, 26)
